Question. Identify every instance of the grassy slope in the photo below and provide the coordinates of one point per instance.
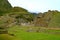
(7, 37)
(55, 22)
(4, 6)
(23, 35)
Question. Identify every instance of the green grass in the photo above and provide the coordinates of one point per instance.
(7, 37)
(20, 33)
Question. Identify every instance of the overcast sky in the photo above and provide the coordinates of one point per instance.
(37, 5)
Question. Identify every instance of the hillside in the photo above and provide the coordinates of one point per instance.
(55, 21)
(4, 6)
(48, 19)
(16, 23)
(18, 9)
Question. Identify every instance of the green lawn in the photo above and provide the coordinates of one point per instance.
(7, 37)
(21, 34)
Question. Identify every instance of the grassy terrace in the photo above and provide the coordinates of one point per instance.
(20, 33)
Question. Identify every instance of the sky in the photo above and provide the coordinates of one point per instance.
(37, 5)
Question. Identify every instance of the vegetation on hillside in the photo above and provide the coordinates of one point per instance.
(17, 23)
(48, 19)
(4, 6)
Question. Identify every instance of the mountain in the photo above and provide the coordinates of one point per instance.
(4, 6)
(43, 19)
(48, 19)
(18, 9)
(55, 21)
